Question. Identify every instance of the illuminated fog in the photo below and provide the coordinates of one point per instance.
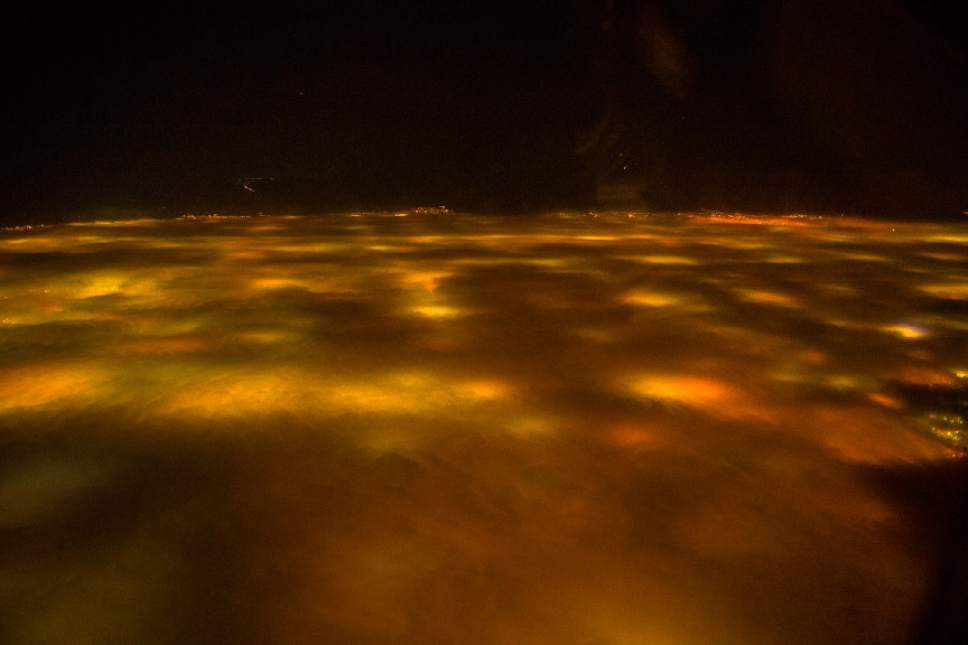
(426, 427)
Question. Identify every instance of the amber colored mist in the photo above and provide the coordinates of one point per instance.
(427, 427)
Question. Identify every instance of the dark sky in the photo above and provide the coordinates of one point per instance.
(700, 104)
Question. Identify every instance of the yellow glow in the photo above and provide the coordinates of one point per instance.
(47, 384)
(278, 283)
(267, 393)
(110, 283)
(663, 259)
(688, 390)
(426, 280)
(485, 389)
(267, 336)
(403, 424)
(950, 291)
(437, 311)
(907, 331)
(33, 241)
(550, 263)
(651, 299)
(120, 223)
(849, 382)
(944, 257)
(297, 391)
(863, 257)
(378, 398)
(764, 297)
(949, 238)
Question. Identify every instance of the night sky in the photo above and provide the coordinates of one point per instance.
(778, 105)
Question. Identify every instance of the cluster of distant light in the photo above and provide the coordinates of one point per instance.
(438, 427)
(729, 316)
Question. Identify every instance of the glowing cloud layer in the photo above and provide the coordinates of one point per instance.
(427, 427)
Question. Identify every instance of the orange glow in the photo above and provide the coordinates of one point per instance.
(651, 299)
(907, 331)
(433, 427)
(767, 297)
(925, 376)
(952, 291)
(485, 389)
(436, 311)
(636, 438)
(663, 259)
(696, 391)
(46, 385)
(427, 280)
(885, 400)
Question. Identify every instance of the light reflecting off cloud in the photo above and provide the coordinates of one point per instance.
(907, 330)
(663, 259)
(436, 311)
(696, 391)
(44, 385)
(433, 427)
(651, 299)
(950, 291)
(763, 297)
(485, 389)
